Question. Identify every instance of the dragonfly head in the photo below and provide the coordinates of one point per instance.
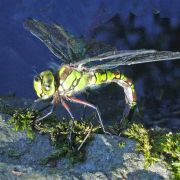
(44, 84)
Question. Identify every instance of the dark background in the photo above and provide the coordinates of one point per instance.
(153, 24)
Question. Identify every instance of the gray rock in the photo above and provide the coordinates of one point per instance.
(19, 159)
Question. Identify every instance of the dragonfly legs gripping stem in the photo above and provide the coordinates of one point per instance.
(75, 100)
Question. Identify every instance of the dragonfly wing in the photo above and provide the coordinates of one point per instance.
(53, 36)
(126, 57)
(62, 44)
(71, 50)
(95, 48)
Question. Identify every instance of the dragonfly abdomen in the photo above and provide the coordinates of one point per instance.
(104, 76)
(107, 76)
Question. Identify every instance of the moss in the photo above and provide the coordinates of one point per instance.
(58, 131)
(64, 151)
(157, 145)
(23, 120)
(122, 144)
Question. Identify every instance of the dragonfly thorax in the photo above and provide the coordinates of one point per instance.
(72, 80)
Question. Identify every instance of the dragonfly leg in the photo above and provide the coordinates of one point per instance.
(79, 101)
(72, 117)
(46, 115)
(53, 103)
(35, 102)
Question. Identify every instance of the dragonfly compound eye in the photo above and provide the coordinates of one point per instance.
(37, 78)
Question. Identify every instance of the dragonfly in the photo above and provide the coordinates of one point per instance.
(86, 65)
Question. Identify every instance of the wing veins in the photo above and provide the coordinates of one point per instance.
(127, 57)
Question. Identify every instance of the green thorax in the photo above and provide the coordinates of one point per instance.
(72, 81)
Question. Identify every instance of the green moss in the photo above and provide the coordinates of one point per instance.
(157, 144)
(58, 131)
(122, 144)
(23, 120)
(64, 151)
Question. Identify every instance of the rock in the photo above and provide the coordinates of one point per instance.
(106, 159)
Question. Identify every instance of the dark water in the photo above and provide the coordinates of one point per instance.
(153, 24)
